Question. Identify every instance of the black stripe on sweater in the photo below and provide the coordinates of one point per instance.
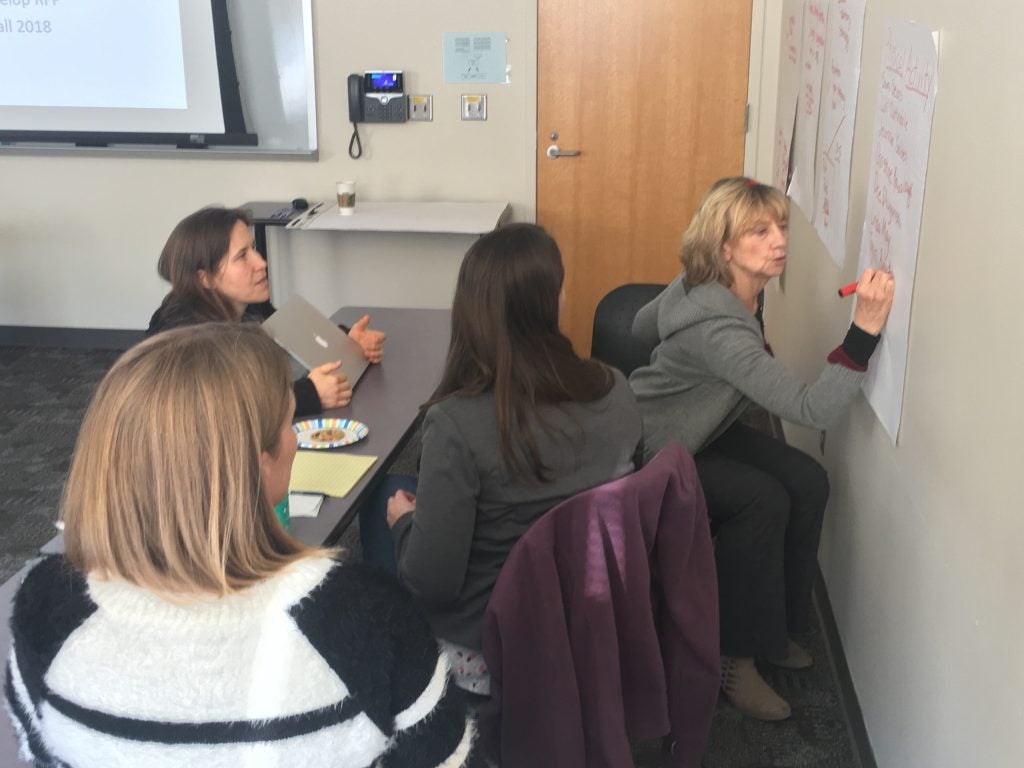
(41, 755)
(223, 732)
(52, 602)
(434, 739)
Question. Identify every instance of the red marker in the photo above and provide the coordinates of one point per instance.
(847, 290)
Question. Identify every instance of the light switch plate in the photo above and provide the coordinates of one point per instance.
(474, 106)
(421, 107)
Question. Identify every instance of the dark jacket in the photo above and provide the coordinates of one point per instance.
(471, 509)
(174, 312)
(604, 623)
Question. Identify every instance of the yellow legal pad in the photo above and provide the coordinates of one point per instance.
(332, 474)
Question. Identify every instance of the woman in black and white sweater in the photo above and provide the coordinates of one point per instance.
(184, 626)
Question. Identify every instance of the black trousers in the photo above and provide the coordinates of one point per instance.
(766, 501)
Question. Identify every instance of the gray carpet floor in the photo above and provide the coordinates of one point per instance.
(43, 395)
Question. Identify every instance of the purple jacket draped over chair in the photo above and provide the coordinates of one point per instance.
(603, 625)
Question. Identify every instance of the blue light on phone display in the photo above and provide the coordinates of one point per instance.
(384, 82)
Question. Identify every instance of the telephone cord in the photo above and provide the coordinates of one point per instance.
(355, 145)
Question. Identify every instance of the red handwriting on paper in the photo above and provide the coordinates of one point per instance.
(781, 169)
(810, 102)
(792, 53)
(845, 23)
(913, 75)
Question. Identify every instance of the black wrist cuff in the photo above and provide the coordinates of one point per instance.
(858, 345)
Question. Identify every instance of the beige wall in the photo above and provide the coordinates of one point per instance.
(923, 544)
(80, 234)
(922, 547)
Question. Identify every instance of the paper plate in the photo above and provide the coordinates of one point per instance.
(329, 433)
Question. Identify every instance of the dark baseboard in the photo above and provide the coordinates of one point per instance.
(73, 338)
(837, 657)
(847, 693)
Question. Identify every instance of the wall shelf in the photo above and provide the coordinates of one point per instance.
(440, 217)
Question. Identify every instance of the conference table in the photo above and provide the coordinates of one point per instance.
(386, 399)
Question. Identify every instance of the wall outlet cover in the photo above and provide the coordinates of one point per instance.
(474, 106)
(421, 107)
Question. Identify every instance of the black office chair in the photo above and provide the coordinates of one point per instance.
(613, 340)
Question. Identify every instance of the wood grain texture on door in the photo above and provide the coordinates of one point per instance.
(653, 96)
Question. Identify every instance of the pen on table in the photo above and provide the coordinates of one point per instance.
(312, 212)
(299, 221)
(847, 290)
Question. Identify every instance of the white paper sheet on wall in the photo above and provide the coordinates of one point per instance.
(892, 222)
(835, 128)
(475, 57)
(789, 84)
(805, 135)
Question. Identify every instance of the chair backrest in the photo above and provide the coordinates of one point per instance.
(604, 622)
(613, 340)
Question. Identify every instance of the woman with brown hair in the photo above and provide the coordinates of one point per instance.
(518, 423)
(766, 499)
(216, 274)
(185, 626)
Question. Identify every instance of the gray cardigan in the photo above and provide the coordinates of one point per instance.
(711, 361)
(470, 511)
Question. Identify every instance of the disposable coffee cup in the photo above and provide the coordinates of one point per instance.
(346, 197)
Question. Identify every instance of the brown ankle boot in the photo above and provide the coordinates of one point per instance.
(746, 690)
(796, 657)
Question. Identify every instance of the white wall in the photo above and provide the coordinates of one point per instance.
(80, 235)
(923, 543)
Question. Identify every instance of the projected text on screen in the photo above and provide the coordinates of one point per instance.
(112, 53)
(109, 65)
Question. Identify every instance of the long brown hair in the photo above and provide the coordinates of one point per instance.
(165, 485)
(199, 242)
(506, 340)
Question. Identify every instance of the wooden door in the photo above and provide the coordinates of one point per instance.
(653, 95)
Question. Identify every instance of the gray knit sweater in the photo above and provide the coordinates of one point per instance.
(470, 511)
(711, 361)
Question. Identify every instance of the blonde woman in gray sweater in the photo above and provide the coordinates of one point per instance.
(766, 500)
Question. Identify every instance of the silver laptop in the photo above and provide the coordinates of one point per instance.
(312, 339)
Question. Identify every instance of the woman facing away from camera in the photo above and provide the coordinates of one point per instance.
(765, 499)
(518, 423)
(185, 626)
(216, 274)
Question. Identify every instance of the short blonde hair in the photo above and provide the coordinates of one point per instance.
(164, 489)
(730, 209)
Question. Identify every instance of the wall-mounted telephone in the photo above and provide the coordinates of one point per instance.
(376, 96)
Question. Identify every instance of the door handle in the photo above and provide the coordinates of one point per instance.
(554, 152)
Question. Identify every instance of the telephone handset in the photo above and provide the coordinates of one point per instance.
(376, 96)
(355, 98)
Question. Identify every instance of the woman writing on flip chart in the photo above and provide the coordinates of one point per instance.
(185, 626)
(216, 274)
(765, 499)
(518, 423)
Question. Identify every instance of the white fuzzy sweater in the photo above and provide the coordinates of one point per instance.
(323, 664)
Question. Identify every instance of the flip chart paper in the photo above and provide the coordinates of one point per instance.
(789, 85)
(892, 222)
(835, 128)
(805, 135)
